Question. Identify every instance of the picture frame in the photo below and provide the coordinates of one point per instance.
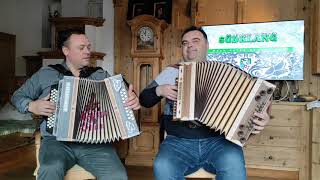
(138, 9)
(159, 10)
(162, 10)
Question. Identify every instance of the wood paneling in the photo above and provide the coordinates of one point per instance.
(315, 156)
(285, 143)
(269, 10)
(315, 27)
(210, 12)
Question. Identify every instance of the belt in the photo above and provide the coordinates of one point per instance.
(192, 124)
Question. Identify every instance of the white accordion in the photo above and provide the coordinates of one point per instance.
(221, 97)
(91, 111)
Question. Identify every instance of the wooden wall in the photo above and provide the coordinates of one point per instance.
(205, 12)
(172, 54)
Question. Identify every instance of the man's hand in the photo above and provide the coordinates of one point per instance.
(167, 91)
(42, 107)
(132, 101)
(261, 119)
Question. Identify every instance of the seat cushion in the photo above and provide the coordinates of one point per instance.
(17, 126)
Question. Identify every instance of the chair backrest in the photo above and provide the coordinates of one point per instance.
(75, 173)
(201, 173)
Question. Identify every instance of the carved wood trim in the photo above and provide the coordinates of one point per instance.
(158, 27)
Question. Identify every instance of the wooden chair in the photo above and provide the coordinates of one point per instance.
(201, 173)
(75, 173)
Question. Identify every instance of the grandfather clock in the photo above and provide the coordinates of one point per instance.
(146, 53)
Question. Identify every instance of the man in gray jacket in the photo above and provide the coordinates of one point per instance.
(57, 157)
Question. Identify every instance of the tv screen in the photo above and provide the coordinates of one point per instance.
(270, 50)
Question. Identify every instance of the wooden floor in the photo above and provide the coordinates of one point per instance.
(19, 164)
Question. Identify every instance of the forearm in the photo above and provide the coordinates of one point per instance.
(27, 93)
(20, 102)
(148, 97)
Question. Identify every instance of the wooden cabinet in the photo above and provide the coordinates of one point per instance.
(285, 143)
(7, 69)
(315, 154)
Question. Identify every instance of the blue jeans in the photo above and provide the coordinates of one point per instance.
(178, 157)
(57, 157)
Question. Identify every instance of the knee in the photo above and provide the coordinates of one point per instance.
(232, 159)
(160, 163)
(53, 166)
(163, 165)
(56, 169)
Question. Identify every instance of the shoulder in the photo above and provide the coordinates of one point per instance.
(167, 76)
(99, 74)
(170, 70)
(46, 72)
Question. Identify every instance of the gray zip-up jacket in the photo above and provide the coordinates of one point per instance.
(39, 86)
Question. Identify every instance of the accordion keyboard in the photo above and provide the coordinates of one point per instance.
(51, 119)
(128, 112)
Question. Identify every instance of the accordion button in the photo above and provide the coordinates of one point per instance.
(262, 93)
(269, 90)
(241, 126)
(257, 98)
(242, 140)
(240, 133)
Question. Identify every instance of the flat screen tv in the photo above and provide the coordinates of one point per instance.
(269, 50)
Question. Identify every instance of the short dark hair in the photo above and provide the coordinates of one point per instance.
(195, 28)
(65, 35)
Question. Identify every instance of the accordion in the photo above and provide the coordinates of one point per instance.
(221, 97)
(91, 111)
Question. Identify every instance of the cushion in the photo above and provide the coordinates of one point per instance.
(9, 112)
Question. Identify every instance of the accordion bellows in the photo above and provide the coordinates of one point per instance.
(91, 111)
(221, 97)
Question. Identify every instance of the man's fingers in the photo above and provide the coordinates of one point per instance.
(45, 114)
(174, 87)
(134, 106)
(131, 102)
(137, 107)
(259, 122)
(130, 89)
(263, 115)
(256, 132)
(131, 97)
(46, 98)
(257, 127)
(172, 98)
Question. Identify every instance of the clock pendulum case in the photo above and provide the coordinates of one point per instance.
(146, 52)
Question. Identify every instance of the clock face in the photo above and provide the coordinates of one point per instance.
(145, 34)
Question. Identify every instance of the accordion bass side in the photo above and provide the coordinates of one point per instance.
(91, 111)
(221, 97)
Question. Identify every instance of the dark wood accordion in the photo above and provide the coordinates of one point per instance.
(91, 111)
(221, 97)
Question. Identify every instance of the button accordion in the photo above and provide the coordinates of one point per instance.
(221, 97)
(91, 111)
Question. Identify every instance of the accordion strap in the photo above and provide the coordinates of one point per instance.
(175, 65)
(85, 72)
